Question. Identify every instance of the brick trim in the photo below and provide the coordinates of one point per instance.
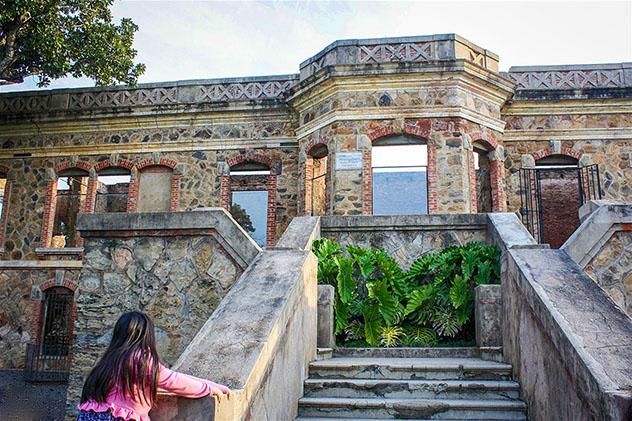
(309, 174)
(132, 195)
(65, 165)
(549, 151)
(367, 183)
(224, 192)
(433, 181)
(5, 210)
(472, 176)
(174, 200)
(50, 205)
(496, 176)
(272, 211)
(121, 163)
(250, 156)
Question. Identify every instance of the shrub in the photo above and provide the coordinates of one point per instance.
(378, 303)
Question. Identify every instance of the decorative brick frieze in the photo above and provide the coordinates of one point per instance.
(405, 52)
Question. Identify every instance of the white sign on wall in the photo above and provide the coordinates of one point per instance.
(349, 161)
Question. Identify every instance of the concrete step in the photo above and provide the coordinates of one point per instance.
(486, 353)
(412, 389)
(324, 353)
(410, 368)
(436, 409)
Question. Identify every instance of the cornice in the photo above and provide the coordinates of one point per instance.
(398, 113)
(140, 148)
(583, 106)
(568, 134)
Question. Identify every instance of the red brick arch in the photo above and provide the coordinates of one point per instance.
(162, 162)
(107, 163)
(250, 157)
(37, 321)
(542, 153)
(65, 165)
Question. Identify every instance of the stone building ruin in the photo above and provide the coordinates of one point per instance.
(389, 126)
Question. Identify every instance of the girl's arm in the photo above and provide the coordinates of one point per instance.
(187, 386)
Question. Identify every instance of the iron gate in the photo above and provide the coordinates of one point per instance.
(531, 211)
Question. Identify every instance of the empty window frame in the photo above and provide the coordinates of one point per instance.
(400, 176)
(249, 199)
(72, 189)
(112, 190)
(316, 201)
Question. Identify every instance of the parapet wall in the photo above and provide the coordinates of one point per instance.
(176, 267)
(562, 333)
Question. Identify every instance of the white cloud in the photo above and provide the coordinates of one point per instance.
(196, 40)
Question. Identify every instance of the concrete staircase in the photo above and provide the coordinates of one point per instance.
(411, 383)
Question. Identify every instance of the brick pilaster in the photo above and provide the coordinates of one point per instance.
(5, 212)
(91, 195)
(132, 195)
(432, 178)
(367, 184)
(472, 176)
(224, 192)
(272, 211)
(309, 174)
(175, 193)
(496, 175)
(50, 203)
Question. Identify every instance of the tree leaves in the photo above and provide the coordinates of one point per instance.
(55, 38)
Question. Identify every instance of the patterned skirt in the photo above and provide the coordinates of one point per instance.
(97, 416)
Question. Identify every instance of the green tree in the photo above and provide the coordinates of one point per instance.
(54, 38)
(241, 216)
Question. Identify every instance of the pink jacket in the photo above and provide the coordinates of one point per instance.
(170, 381)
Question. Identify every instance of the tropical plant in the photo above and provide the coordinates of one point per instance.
(376, 302)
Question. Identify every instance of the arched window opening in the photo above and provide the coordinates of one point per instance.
(400, 180)
(48, 356)
(57, 319)
(112, 190)
(154, 189)
(482, 172)
(316, 202)
(249, 198)
(72, 189)
(559, 197)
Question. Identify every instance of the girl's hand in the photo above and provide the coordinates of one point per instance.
(218, 393)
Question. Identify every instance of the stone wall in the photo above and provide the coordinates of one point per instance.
(406, 238)
(176, 267)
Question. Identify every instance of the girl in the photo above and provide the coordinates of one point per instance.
(124, 383)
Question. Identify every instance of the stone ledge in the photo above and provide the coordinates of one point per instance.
(300, 234)
(206, 221)
(39, 264)
(404, 222)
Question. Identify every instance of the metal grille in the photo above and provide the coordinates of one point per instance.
(48, 359)
(588, 184)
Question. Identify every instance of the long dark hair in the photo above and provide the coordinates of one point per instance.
(130, 362)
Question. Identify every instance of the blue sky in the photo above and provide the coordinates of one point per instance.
(198, 40)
